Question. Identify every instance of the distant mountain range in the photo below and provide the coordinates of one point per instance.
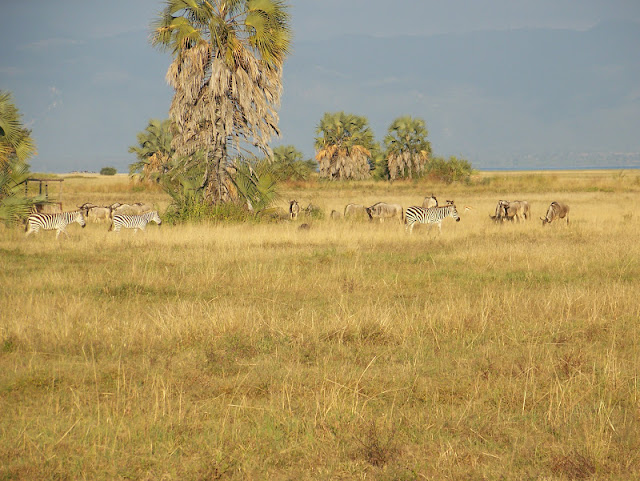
(503, 99)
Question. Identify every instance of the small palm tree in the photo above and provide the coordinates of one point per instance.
(153, 151)
(16, 147)
(227, 77)
(407, 149)
(256, 183)
(289, 164)
(344, 146)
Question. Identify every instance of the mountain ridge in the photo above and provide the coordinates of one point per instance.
(486, 95)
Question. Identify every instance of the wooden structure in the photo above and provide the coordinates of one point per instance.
(48, 206)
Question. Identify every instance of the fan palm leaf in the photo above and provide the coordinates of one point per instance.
(14, 138)
(16, 146)
(153, 151)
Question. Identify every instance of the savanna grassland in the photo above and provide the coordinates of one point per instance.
(351, 350)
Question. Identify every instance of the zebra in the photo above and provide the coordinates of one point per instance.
(134, 222)
(432, 215)
(58, 221)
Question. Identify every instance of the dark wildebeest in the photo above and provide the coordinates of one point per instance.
(557, 210)
(294, 209)
(382, 211)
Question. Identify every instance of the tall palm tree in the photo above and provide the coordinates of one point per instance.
(407, 149)
(227, 76)
(153, 151)
(344, 146)
(16, 147)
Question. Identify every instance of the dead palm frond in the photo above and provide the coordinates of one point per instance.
(407, 149)
(344, 146)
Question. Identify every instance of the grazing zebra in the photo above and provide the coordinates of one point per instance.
(58, 221)
(432, 215)
(134, 221)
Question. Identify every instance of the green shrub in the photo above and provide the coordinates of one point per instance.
(289, 164)
(450, 170)
(108, 171)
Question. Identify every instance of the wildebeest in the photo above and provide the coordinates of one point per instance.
(511, 210)
(274, 214)
(382, 211)
(429, 202)
(95, 213)
(499, 215)
(99, 214)
(124, 209)
(355, 211)
(557, 210)
(294, 209)
(313, 211)
(142, 208)
(85, 207)
(47, 208)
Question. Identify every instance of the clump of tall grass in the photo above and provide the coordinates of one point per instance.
(194, 210)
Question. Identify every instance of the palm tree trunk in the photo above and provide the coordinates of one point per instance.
(214, 179)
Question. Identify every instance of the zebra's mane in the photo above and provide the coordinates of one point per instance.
(65, 213)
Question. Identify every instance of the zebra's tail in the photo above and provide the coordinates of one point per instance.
(111, 226)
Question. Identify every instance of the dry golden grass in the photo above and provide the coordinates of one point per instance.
(349, 351)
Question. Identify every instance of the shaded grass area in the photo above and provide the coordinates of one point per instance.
(348, 352)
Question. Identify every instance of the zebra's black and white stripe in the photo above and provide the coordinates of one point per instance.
(134, 221)
(432, 215)
(58, 221)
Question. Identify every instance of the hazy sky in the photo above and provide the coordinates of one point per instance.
(415, 17)
(86, 79)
